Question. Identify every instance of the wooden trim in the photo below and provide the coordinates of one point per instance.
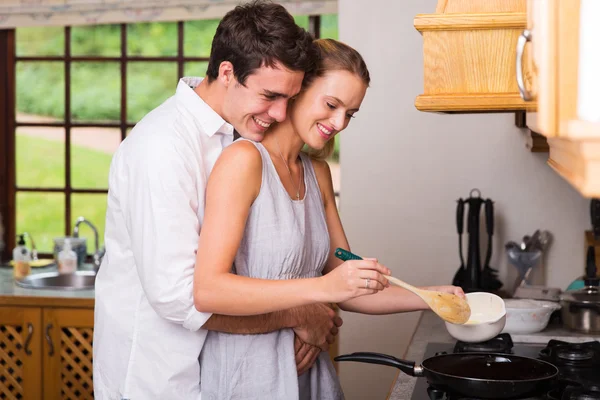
(567, 69)
(7, 139)
(578, 162)
(123, 116)
(110, 59)
(536, 143)
(44, 301)
(461, 22)
(314, 25)
(75, 124)
(472, 102)
(60, 190)
(68, 130)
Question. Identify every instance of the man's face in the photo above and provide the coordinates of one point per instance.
(251, 108)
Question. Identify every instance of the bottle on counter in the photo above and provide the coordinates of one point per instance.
(21, 259)
(67, 259)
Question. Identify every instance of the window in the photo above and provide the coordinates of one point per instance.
(77, 92)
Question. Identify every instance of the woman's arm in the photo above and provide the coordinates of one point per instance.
(233, 186)
(392, 300)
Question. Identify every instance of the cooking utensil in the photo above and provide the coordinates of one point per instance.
(470, 276)
(524, 261)
(473, 275)
(475, 375)
(489, 276)
(447, 306)
(488, 316)
(595, 217)
(581, 309)
(460, 217)
(528, 316)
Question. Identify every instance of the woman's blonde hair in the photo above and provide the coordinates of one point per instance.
(334, 55)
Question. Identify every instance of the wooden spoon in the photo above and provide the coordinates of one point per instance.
(447, 306)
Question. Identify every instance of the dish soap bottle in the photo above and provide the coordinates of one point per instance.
(21, 259)
(67, 259)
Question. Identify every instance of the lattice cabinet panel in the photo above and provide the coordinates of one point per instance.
(76, 363)
(68, 354)
(20, 353)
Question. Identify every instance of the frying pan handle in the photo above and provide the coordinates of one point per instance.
(407, 367)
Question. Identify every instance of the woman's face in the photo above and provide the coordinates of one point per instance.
(325, 108)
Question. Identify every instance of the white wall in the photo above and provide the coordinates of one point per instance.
(403, 170)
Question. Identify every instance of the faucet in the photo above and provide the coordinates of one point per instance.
(99, 253)
(34, 253)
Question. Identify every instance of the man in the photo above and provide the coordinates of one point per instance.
(147, 333)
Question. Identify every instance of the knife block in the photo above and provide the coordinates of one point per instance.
(590, 241)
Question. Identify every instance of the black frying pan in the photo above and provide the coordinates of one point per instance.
(479, 375)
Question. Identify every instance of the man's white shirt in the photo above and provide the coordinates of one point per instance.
(147, 332)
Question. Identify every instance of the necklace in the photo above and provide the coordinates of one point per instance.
(289, 171)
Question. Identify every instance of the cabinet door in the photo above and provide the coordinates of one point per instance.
(67, 353)
(541, 58)
(20, 353)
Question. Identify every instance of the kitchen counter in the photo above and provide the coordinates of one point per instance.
(11, 294)
(432, 329)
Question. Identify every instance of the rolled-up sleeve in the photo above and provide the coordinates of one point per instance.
(161, 215)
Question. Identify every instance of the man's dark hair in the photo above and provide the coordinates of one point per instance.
(260, 33)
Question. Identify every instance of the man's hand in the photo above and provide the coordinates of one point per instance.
(318, 325)
(306, 355)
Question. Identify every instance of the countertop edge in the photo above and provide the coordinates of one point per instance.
(46, 301)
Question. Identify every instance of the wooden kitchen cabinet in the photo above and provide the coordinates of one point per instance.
(552, 82)
(469, 55)
(540, 56)
(20, 353)
(46, 352)
(67, 352)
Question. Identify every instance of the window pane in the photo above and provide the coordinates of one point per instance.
(152, 39)
(301, 20)
(148, 85)
(195, 68)
(40, 90)
(41, 41)
(198, 36)
(96, 40)
(40, 157)
(43, 216)
(93, 208)
(96, 91)
(91, 153)
(329, 26)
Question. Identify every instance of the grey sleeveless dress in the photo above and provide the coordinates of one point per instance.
(283, 239)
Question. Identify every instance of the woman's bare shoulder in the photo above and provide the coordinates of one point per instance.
(241, 154)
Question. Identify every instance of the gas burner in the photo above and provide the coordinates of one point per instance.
(442, 394)
(572, 354)
(579, 393)
(499, 344)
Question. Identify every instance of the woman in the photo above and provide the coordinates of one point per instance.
(270, 208)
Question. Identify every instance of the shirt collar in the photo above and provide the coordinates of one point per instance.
(208, 120)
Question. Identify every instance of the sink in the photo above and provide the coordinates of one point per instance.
(80, 280)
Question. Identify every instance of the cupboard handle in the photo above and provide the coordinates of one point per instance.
(28, 338)
(49, 339)
(523, 39)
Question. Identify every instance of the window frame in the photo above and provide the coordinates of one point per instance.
(9, 123)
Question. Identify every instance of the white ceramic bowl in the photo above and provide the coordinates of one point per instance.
(527, 315)
(488, 317)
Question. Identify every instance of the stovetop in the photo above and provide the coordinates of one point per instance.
(578, 365)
